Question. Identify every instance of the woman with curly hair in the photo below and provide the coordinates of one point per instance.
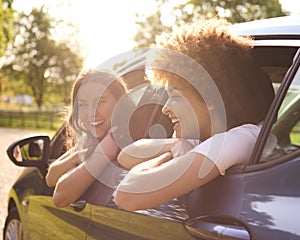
(217, 99)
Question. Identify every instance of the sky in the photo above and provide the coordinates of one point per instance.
(106, 28)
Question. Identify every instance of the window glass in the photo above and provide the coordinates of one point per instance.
(274, 61)
(285, 134)
(295, 135)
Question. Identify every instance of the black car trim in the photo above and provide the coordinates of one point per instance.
(276, 37)
(264, 55)
(263, 165)
(53, 148)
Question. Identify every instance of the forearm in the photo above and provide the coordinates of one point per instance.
(147, 149)
(71, 186)
(144, 150)
(146, 188)
(61, 166)
(75, 182)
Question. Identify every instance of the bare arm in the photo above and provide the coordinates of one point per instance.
(74, 183)
(146, 149)
(65, 163)
(149, 187)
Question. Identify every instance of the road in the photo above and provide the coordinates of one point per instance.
(9, 171)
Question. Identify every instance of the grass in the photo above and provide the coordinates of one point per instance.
(48, 121)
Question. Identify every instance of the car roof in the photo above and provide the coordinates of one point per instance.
(137, 63)
(279, 27)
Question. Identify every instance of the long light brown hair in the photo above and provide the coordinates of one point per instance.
(73, 123)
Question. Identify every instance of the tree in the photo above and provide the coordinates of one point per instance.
(234, 11)
(64, 72)
(38, 60)
(6, 30)
(6, 24)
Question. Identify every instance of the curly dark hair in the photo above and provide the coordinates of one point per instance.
(245, 89)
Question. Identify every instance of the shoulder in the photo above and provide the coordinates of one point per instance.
(250, 130)
(242, 135)
(229, 148)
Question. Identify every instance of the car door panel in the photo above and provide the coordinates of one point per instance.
(271, 201)
(267, 201)
(111, 223)
(40, 218)
(49, 222)
(222, 196)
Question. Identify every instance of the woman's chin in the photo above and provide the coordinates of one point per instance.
(98, 134)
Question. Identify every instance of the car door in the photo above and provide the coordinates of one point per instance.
(271, 183)
(44, 220)
(163, 222)
(259, 200)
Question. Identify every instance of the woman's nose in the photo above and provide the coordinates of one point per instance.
(92, 111)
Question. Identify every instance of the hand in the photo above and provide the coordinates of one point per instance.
(153, 163)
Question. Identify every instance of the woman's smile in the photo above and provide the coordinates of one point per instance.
(96, 104)
(96, 123)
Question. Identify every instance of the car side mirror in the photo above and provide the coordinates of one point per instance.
(30, 151)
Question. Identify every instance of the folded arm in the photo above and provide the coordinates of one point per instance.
(71, 185)
(63, 164)
(74, 183)
(146, 149)
(146, 187)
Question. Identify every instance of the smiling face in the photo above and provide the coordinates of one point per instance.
(188, 112)
(95, 107)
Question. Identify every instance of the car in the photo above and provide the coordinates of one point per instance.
(260, 200)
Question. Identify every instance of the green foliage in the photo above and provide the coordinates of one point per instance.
(6, 24)
(149, 27)
(234, 11)
(6, 31)
(44, 66)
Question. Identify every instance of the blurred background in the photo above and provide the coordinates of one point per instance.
(44, 44)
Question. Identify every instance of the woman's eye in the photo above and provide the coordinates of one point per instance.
(174, 96)
(101, 101)
(82, 104)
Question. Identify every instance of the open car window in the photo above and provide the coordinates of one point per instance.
(274, 61)
(284, 137)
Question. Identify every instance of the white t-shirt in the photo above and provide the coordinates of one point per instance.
(230, 148)
(224, 150)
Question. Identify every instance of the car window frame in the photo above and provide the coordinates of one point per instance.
(55, 143)
(254, 164)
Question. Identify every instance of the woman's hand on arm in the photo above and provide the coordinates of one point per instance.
(74, 183)
(144, 187)
(146, 149)
(65, 163)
